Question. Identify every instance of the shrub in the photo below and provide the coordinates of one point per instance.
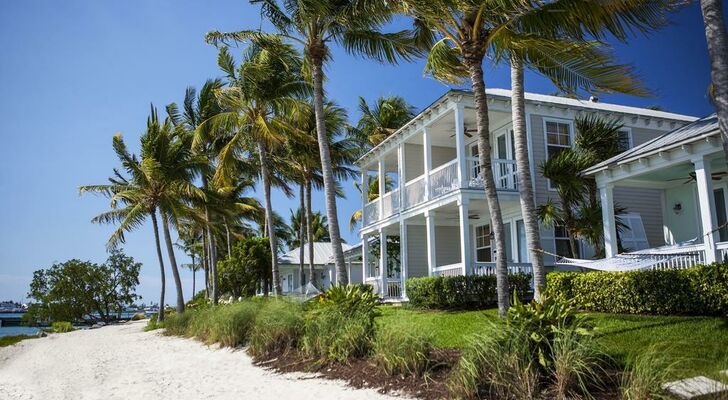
(278, 328)
(177, 324)
(153, 324)
(701, 290)
(230, 325)
(401, 352)
(469, 291)
(62, 327)
(340, 324)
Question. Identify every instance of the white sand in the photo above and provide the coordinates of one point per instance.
(123, 362)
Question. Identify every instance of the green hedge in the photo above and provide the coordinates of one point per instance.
(470, 291)
(702, 290)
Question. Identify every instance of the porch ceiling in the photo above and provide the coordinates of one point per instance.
(677, 174)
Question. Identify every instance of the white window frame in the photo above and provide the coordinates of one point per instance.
(630, 140)
(569, 122)
(475, 242)
(566, 238)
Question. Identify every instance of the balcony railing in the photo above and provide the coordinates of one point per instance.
(390, 203)
(504, 173)
(371, 212)
(444, 179)
(414, 192)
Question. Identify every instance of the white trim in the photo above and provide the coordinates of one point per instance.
(572, 134)
(630, 138)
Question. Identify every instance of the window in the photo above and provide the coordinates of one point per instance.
(522, 244)
(625, 140)
(558, 137)
(721, 214)
(633, 236)
(483, 246)
(561, 242)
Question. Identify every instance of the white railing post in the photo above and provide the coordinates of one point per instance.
(403, 265)
(460, 145)
(606, 194)
(706, 201)
(383, 260)
(431, 254)
(427, 148)
(464, 234)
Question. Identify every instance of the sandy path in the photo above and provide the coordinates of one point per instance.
(123, 362)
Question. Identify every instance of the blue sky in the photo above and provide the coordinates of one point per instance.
(74, 73)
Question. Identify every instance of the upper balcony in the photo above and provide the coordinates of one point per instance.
(433, 160)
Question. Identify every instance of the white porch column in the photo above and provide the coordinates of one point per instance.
(382, 176)
(401, 173)
(427, 148)
(706, 203)
(465, 253)
(364, 258)
(606, 195)
(431, 254)
(460, 145)
(383, 261)
(403, 265)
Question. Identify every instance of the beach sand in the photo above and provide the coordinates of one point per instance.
(124, 362)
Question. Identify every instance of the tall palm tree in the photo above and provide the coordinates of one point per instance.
(383, 118)
(717, 38)
(159, 180)
(464, 32)
(354, 24)
(190, 241)
(260, 91)
(319, 227)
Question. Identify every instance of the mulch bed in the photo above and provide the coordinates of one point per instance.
(363, 373)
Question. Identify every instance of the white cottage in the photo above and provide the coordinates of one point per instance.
(437, 210)
(288, 265)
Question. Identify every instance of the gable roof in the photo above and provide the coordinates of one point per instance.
(706, 126)
(322, 254)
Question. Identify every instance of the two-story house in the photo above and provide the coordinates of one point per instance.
(432, 201)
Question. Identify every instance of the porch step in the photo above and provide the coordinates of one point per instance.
(697, 388)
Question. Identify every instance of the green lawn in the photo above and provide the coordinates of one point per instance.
(11, 340)
(701, 343)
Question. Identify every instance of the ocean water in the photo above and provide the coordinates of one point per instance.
(18, 330)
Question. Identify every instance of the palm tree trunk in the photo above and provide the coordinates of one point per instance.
(525, 188)
(327, 169)
(715, 33)
(160, 314)
(475, 69)
(173, 263)
(309, 234)
(301, 231)
(227, 236)
(206, 265)
(212, 249)
(263, 155)
(194, 272)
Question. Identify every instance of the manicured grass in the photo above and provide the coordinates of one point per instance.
(700, 343)
(11, 340)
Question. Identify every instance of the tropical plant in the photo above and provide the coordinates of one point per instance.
(319, 228)
(247, 268)
(262, 89)
(717, 38)
(382, 119)
(355, 24)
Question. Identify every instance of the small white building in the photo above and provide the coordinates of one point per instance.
(289, 263)
(437, 209)
(687, 167)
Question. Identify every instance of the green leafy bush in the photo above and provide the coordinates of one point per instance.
(469, 291)
(340, 324)
(62, 327)
(701, 290)
(399, 351)
(278, 328)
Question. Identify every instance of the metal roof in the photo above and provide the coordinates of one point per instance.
(706, 126)
(322, 254)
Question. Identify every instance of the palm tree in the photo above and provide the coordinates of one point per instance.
(261, 90)
(464, 32)
(382, 119)
(319, 228)
(160, 180)
(190, 241)
(355, 24)
(717, 38)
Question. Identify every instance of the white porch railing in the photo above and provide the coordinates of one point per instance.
(513, 268)
(414, 192)
(394, 288)
(504, 173)
(444, 179)
(722, 248)
(390, 203)
(691, 256)
(371, 212)
(448, 270)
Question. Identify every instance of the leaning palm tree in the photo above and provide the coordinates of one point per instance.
(261, 90)
(354, 24)
(159, 180)
(383, 118)
(717, 37)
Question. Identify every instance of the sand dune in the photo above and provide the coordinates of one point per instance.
(123, 362)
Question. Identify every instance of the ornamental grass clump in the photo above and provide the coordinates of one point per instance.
(398, 351)
(340, 324)
(646, 373)
(230, 325)
(62, 327)
(278, 328)
(177, 324)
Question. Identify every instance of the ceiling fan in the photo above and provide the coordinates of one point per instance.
(716, 176)
(467, 131)
(473, 216)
